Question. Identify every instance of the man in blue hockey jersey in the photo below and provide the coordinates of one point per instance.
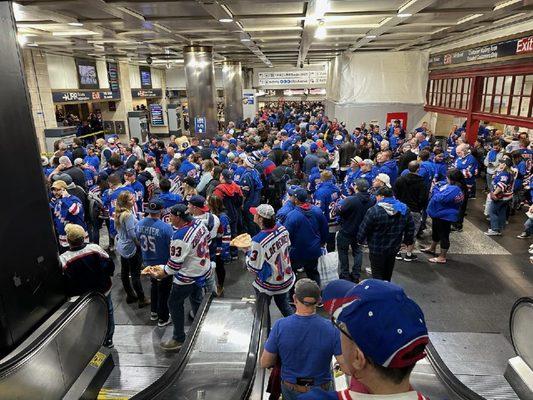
(130, 177)
(190, 266)
(154, 237)
(325, 197)
(65, 209)
(109, 198)
(468, 165)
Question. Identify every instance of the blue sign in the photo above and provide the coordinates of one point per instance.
(199, 124)
(249, 98)
(156, 115)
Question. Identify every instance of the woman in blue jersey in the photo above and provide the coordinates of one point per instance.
(443, 208)
(268, 258)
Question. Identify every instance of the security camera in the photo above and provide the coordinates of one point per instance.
(149, 60)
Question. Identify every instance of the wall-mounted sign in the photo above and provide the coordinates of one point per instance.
(199, 125)
(112, 76)
(120, 128)
(156, 115)
(143, 93)
(81, 96)
(109, 127)
(301, 77)
(321, 92)
(506, 48)
(248, 98)
(87, 74)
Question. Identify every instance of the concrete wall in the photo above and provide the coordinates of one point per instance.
(175, 78)
(38, 82)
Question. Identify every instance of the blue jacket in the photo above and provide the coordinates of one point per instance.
(351, 211)
(445, 202)
(308, 231)
(369, 175)
(251, 180)
(389, 168)
(284, 211)
(440, 171)
(469, 167)
(427, 171)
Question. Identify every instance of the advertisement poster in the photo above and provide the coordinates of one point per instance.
(112, 76)
(199, 124)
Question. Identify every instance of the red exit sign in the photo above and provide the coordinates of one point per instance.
(524, 45)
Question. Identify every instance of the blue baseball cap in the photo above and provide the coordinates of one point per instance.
(301, 194)
(291, 189)
(313, 147)
(386, 325)
(155, 206)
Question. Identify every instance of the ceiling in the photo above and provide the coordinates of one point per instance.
(256, 32)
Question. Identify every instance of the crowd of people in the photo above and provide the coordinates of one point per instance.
(301, 185)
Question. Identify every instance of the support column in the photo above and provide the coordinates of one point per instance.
(30, 276)
(201, 90)
(38, 81)
(232, 78)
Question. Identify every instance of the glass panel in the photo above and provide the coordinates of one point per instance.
(505, 104)
(488, 85)
(518, 84)
(527, 85)
(455, 102)
(515, 105)
(486, 107)
(524, 108)
(499, 84)
(446, 100)
(465, 101)
(507, 85)
(468, 82)
(496, 106)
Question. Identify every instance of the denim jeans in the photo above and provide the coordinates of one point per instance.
(110, 319)
(498, 214)
(344, 242)
(289, 394)
(528, 226)
(281, 300)
(178, 294)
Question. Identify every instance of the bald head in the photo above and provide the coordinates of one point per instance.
(413, 166)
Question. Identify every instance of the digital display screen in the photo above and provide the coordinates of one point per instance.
(87, 75)
(146, 77)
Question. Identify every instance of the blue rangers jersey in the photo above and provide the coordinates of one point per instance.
(325, 197)
(154, 237)
(269, 259)
(468, 166)
(138, 188)
(189, 260)
(67, 210)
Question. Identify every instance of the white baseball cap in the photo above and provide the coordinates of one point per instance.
(263, 210)
(384, 178)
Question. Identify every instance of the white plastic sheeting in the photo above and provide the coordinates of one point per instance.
(388, 77)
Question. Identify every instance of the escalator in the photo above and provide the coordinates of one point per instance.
(49, 362)
(219, 359)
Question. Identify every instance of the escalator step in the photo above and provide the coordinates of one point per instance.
(114, 394)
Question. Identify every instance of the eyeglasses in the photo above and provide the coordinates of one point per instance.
(341, 327)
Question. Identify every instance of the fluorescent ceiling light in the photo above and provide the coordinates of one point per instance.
(384, 21)
(246, 40)
(506, 4)
(468, 18)
(406, 5)
(510, 17)
(321, 8)
(370, 36)
(404, 15)
(75, 24)
(32, 45)
(438, 30)
(74, 33)
(22, 40)
(321, 32)
(225, 20)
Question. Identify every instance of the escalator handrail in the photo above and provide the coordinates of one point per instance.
(448, 377)
(513, 309)
(26, 354)
(177, 367)
(250, 368)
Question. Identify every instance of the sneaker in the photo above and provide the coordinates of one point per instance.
(171, 345)
(410, 257)
(368, 271)
(153, 316)
(399, 256)
(144, 302)
(523, 235)
(131, 299)
(191, 315)
(530, 251)
(490, 232)
(457, 228)
(531, 260)
(109, 344)
(162, 323)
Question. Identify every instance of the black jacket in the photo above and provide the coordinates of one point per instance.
(405, 159)
(77, 175)
(411, 190)
(352, 211)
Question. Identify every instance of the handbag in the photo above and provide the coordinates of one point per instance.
(328, 264)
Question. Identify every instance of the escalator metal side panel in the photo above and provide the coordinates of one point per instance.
(521, 328)
(49, 370)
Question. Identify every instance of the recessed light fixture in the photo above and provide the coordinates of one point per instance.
(370, 36)
(468, 18)
(404, 15)
(246, 40)
(74, 33)
(321, 31)
(225, 20)
(75, 24)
